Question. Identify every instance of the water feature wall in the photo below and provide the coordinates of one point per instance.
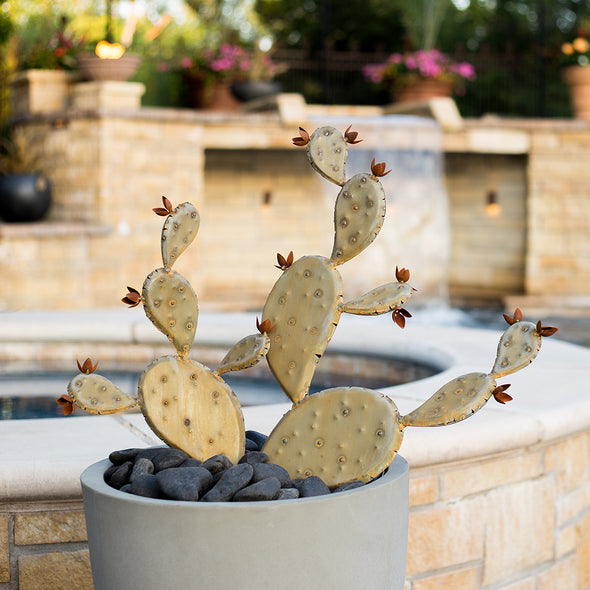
(241, 171)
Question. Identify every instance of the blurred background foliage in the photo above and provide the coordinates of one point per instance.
(514, 44)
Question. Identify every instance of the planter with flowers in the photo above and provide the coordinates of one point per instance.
(221, 79)
(420, 75)
(46, 73)
(260, 82)
(577, 75)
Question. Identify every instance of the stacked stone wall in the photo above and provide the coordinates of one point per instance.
(558, 249)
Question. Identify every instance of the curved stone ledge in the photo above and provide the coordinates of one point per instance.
(43, 458)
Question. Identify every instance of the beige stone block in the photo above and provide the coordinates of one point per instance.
(570, 459)
(424, 490)
(520, 523)
(108, 95)
(34, 528)
(565, 541)
(486, 475)
(445, 536)
(553, 168)
(502, 141)
(579, 139)
(4, 549)
(544, 141)
(55, 571)
(570, 506)
(464, 579)
(583, 552)
(563, 574)
(39, 91)
(528, 584)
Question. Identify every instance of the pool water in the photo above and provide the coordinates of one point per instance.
(28, 391)
(32, 395)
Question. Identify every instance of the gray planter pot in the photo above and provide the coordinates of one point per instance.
(350, 540)
(245, 91)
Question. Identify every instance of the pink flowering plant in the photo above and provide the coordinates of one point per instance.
(402, 68)
(231, 63)
(58, 53)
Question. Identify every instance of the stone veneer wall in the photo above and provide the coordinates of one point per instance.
(545, 239)
(514, 521)
(558, 248)
(43, 546)
(465, 532)
(110, 168)
(108, 173)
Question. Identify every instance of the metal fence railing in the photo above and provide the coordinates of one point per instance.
(508, 83)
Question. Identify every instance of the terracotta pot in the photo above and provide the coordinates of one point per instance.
(578, 80)
(349, 540)
(209, 96)
(422, 89)
(222, 98)
(96, 69)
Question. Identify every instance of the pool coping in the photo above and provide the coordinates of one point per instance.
(44, 458)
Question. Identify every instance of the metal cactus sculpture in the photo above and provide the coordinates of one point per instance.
(352, 433)
(186, 404)
(341, 434)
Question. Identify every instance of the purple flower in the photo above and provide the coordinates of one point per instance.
(186, 63)
(429, 69)
(431, 64)
(464, 69)
(229, 62)
(411, 63)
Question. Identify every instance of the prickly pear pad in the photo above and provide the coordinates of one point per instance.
(341, 435)
(192, 409)
(246, 353)
(180, 229)
(454, 401)
(358, 216)
(519, 345)
(171, 305)
(97, 395)
(327, 153)
(379, 300)
(305, 304)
